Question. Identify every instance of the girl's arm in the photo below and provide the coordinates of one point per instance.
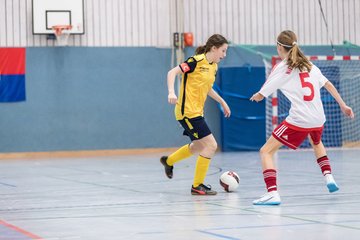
(276, 79)
(344, 108)
(220, 100)
(172, 99)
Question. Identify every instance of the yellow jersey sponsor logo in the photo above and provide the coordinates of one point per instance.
(204, 69)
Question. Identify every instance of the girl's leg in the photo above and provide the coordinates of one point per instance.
(207, 147)
(180, 154)
(169, 161)
(322, 159)
(267, 152)
(267, 161)
(324, 164)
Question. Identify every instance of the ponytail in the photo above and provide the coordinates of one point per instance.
(215, 40)
(200, 50)
(296, 59)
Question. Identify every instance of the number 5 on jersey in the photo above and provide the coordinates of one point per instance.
(305, 84)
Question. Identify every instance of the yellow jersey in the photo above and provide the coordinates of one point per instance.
(197, 81)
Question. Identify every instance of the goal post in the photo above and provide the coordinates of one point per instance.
(339, 130)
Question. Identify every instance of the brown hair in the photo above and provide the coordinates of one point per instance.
(296, 59)
(215, 40)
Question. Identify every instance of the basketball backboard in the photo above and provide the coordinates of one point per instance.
(49, 13)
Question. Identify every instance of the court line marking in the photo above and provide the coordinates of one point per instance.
(7, 184)
(20, 230)
(218, 235)
(286, 216)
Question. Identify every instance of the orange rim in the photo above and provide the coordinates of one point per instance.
(59, 28)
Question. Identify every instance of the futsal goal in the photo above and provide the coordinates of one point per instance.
(339, 130)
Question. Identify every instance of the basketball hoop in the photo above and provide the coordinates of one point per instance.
(62, 33)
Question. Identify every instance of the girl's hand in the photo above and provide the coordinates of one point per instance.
(172, 99)
(226, 109)
(348, 111)
(257, 97)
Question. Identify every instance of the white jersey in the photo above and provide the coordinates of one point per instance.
(303, 91)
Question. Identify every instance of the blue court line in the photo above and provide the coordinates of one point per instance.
(218, 235)
(6, 184)
(261, 226)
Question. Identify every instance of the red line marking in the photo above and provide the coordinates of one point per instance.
(274, 120)
(19, 230)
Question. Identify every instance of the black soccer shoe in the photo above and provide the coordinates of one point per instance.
(168, 168)
(202, 190)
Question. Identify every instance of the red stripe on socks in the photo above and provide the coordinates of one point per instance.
(270, 179)
(324, 164)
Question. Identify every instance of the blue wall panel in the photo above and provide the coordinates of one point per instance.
(91, 98)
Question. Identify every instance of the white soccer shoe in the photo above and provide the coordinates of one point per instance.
(269, 198)
(330, 183)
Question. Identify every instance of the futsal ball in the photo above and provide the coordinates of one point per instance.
(229, 181)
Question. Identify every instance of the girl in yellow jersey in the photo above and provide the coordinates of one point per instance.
(198, 77)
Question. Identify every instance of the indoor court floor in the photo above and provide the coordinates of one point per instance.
(129, 197)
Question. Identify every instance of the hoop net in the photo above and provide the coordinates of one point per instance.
(62, 33)
(339, 131)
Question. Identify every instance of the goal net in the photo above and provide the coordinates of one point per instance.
(339, 130)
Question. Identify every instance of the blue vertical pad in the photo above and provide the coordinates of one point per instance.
(245, 129)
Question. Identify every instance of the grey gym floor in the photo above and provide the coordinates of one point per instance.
(129, 197)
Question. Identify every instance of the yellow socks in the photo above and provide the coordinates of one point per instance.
(202, 166)
(180, 154)
(202, 163)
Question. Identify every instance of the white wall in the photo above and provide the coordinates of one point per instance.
(151, 22)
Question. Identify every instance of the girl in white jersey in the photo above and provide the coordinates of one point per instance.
(300, 81)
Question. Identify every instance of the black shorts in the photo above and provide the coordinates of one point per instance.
(196, 128)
